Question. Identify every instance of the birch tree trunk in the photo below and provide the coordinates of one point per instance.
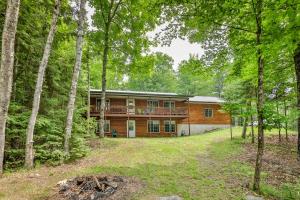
(6, 67)
(260, 96)
(29, 155)
(77, 67)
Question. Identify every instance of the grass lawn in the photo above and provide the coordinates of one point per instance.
(196, 167)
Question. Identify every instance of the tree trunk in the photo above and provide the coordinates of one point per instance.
(104, 65)
(278, 122)
(6, 67)
(77, 67)
(297, 69)
(244, 128)
(231, 127)
(248, 107)
(88, 89)
(29, 156)
(285, 122)
(260, 97)
(252, 130)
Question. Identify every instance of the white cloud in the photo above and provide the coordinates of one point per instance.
(179, 49)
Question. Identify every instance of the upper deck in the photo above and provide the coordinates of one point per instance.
(140, 104)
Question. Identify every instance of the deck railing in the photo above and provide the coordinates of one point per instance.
(143, 111)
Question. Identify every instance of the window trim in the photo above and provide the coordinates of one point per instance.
(171, 124)
(212, 112)
(152, 131)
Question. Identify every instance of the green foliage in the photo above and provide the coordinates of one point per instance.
(33, 27)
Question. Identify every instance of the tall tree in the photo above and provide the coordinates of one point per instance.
(297, 69)
(109, 9)
(29, 155)
(257, 8)
(6, 68)
(77, 67)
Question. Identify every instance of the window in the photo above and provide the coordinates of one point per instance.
(106, 126)
(208, 112)
(170, 126)
(98, 104)
(152, 104)
(153, 126)
(169, 104)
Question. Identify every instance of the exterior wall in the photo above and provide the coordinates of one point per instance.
(197, 115)
(198, 128)
(199, 123)
(120, 125)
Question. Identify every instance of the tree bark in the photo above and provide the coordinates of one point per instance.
(77, 67)
(297, 70)
(252, 129)
(29, 155)
(88, 91)
(285, 122)
(231, 126)
(113, 8)
(244, 128)
(6, 67)
(260, 97)
(278, 122)
(104, 65)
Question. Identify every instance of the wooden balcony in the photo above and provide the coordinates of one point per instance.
(137, 111)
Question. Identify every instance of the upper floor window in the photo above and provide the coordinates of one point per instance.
(152, 104)
(208, 112)
(153, 126)
(169, 104)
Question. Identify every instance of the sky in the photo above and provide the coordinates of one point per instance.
(179, 49)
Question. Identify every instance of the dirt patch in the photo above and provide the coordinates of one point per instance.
(97, 188)
(279, 160)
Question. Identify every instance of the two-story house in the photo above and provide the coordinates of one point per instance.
(156, 114)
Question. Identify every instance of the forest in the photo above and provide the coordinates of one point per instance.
(54, 51)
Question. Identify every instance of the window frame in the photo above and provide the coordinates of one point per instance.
(212, 113)
(148, 123)
(170, 122)
(152, 100)
(171, 102)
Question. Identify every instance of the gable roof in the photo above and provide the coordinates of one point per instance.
(206, 99)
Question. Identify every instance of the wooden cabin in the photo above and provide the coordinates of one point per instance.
(157, 114)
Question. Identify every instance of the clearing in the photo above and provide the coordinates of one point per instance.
(207, 166)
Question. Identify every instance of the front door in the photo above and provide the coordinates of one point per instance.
(131, 128)
(130, 106)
